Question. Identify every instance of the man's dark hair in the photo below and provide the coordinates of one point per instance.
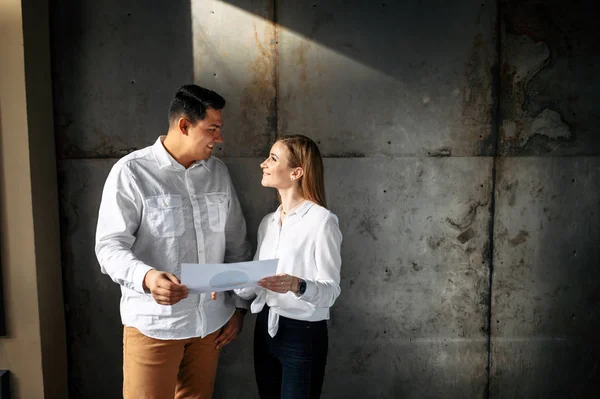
(191, 101)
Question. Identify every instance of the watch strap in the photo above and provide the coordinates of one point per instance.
(301, 287)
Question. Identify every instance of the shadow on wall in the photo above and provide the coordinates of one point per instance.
(423, 70)
(115, 68)
(349, 27)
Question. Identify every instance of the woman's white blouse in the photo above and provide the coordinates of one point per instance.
(308, 246)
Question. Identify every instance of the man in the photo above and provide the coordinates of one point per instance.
(164, 205)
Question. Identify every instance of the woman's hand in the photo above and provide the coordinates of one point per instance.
(280, 283)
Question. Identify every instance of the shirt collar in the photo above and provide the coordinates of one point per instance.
(300, 211)
(164, 159)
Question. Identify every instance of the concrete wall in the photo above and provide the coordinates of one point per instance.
(34, 348)
(461, 157)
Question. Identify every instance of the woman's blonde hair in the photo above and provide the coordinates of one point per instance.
(305, 154)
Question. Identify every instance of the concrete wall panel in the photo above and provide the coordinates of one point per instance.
(92, 300)
(116, 67)
(94, 330)
(412, 317)
(234, 53)
(548, 78)
(404, 368)
(394, 78)
(545, 285)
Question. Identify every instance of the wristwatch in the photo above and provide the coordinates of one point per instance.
(301, 289)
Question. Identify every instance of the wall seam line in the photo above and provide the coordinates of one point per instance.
(495, 126)
(276, 66)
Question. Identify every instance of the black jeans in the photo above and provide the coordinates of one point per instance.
(292, 364)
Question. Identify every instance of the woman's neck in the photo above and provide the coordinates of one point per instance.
(290, 199)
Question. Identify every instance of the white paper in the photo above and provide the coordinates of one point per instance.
(225, 276)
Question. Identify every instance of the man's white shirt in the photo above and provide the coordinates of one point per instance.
(156, 214)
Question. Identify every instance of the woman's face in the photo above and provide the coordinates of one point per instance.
(276, 172)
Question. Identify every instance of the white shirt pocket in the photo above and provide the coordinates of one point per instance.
(217, 205)
(164, 214)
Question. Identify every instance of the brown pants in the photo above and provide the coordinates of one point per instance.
(166, 369)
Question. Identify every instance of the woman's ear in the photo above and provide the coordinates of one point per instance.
(297, 173)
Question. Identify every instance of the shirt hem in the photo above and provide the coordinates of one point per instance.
(165, 337)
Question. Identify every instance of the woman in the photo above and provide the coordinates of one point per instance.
(290, 338)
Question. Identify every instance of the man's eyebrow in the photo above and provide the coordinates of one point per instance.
(215, 125)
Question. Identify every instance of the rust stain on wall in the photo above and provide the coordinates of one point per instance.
(300, 60)
(477, 96)
(260, 94)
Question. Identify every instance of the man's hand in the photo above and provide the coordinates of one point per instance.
(166, 289)
(231, 330)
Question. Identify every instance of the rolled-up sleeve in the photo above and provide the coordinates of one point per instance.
(325, 288)
(118, 220)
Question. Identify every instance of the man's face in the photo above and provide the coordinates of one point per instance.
(203, 136)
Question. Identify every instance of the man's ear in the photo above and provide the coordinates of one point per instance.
(183, 124)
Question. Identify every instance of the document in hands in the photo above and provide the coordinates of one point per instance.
(225, 276)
